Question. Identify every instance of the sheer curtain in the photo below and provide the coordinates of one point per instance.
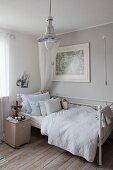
(46, 57)
(4, 77)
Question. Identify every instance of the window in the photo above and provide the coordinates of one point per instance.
(4, 65)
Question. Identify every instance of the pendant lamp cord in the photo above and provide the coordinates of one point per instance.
(50, 9)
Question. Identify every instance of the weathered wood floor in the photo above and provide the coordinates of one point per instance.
(39, 155)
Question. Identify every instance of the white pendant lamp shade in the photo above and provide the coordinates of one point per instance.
(49, 36)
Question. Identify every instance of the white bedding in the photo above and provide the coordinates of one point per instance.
(75, 130)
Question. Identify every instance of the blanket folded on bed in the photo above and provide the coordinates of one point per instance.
(75, 130)
(107, 115)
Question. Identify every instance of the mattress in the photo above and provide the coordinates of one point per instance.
(35, 120)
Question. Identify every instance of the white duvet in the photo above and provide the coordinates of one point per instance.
(75, 130)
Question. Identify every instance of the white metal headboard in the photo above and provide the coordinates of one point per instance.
(86, 102)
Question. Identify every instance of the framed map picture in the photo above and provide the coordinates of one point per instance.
(72, 63)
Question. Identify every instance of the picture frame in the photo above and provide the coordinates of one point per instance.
(71, 64)
(24, 84)
(23, 80)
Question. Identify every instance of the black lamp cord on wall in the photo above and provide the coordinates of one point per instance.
(105, 57)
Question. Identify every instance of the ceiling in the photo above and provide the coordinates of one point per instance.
(69, 15)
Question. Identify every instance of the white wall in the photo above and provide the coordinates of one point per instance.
(96, 89)
(23, 57)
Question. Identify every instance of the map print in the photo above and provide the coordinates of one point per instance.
(70, 63)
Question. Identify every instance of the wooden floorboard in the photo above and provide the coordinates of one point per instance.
(39, 155)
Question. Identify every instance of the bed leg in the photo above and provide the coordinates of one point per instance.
(100, 136)
(100, 154)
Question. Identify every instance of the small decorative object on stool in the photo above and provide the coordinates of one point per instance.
(15, 109)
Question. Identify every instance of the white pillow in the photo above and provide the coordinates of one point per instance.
(43, 108)
(53, 105)
(34, 102)
(25, 102)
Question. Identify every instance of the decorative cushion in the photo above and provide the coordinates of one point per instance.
(107, 115)
(34, 102)
(25, 102)
(65, 104)
(53, 105)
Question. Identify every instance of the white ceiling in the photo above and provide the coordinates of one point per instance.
(30, 15)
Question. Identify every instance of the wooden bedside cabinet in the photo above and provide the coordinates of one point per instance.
(17, 132)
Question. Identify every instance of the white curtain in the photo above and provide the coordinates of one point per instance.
(4, 77)
(46, 57)
(4, 65)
